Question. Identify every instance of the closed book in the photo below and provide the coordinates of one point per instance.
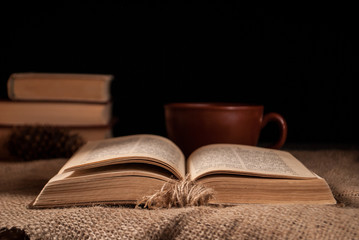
(55, 113)
(59, 87)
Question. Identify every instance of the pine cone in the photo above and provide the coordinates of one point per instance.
(13, 234)
(42, 142)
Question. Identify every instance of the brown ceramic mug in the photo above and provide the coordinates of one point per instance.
(192, 125)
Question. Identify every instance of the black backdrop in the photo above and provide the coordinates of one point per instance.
(299, 62)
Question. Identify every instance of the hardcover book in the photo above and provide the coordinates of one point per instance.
(55, 113)
(72, 87)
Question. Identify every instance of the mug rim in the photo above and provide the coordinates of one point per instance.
(212, 105)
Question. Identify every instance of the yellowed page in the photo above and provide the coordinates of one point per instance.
(248, 160)
(144, 148)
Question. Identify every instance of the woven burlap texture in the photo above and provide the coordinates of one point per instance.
(21, 182)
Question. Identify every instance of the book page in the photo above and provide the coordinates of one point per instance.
(135, 148)
(248, 160)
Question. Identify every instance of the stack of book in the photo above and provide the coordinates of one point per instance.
(80, 102)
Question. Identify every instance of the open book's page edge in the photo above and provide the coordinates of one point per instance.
(78, 178)
(246, 183)
(58, 177)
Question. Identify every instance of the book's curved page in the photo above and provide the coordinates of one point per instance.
(132, 169)
(141, 148)
(245, 160)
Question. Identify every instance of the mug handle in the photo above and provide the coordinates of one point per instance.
(282, 124)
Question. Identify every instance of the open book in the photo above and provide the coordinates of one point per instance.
(124, 169)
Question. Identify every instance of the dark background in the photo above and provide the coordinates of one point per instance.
(301, 62)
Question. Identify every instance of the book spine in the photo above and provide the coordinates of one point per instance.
(10, 87)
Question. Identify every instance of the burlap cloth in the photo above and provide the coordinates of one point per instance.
(21, 182)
